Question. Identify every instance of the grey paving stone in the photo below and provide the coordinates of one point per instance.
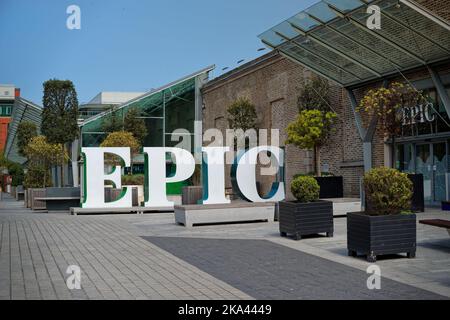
(266, 270)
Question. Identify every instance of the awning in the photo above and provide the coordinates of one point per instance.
(332, 39)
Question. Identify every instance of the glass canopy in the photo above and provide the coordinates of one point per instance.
(332, 39)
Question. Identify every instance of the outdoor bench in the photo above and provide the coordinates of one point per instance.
(438, 223)
(191, 215)
(59, 203)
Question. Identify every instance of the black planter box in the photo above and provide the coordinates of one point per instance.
(380, 235)
(301, 219)
(331, 187)
(418, 200)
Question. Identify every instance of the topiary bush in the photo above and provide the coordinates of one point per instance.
(133, 180)
(388, 191)
(305, 189)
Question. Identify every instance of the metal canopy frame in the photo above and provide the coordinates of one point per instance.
(374, 54)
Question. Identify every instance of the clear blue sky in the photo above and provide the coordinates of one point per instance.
(129, 45)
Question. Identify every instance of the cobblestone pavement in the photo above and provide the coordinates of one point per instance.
(36, 249)
(270, 271)
(117, 263)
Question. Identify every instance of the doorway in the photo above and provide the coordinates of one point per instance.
(429, 159)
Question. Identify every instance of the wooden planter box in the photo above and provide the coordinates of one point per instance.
(331, 187)
(301, 219)
(37, 204)
(380, 235)
(112, 194)
(191, 195)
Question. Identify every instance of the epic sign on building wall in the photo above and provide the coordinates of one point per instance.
(244, 175)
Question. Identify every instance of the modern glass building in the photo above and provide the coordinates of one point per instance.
(172, 114)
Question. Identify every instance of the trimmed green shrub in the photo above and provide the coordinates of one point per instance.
(305, 189)
(133, 180)
(388, 191)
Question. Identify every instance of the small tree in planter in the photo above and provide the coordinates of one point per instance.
(387, 226)
(311, 130)
(308, 215)
(42, 156)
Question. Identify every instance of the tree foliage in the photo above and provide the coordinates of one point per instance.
(242, 115)
(121, 139)
(388, 191)
(25, 132)
(15, 170)
(117, 140)
(315, 95)
(112, 122)
(386, 105)
(135, 125)
(311, 130)
(42, 156)
(305, 189)
(60, 113)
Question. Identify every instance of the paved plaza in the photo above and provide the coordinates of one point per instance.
(149, 257)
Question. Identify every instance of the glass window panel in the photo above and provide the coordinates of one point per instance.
(180, 110)
(155, 134)
(318, 64)
(271, 38)
(345, 5)
(333, 57)
(92, 139)
(303, 21)
(151, 106)
(400, 35)
(286, 30)
(321, 11)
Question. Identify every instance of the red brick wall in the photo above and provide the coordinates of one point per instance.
(3, 132)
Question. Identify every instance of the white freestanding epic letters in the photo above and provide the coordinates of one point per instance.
(94, 178)
(244, 173)
(155, 162)
(214, 177)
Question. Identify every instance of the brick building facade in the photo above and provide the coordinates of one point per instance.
(273, 83)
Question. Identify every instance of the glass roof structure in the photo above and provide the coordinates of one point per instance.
(23, 110)
(332, 39)
(165, 111)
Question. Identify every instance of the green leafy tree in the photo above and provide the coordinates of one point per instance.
(42, 156)
(385, 106)
(120, 139)
(15, 170)
(112, 122)
(311, 130)
(315, 95)
(242, 115)
(135, 125)
(25, 132)
(60, 114)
